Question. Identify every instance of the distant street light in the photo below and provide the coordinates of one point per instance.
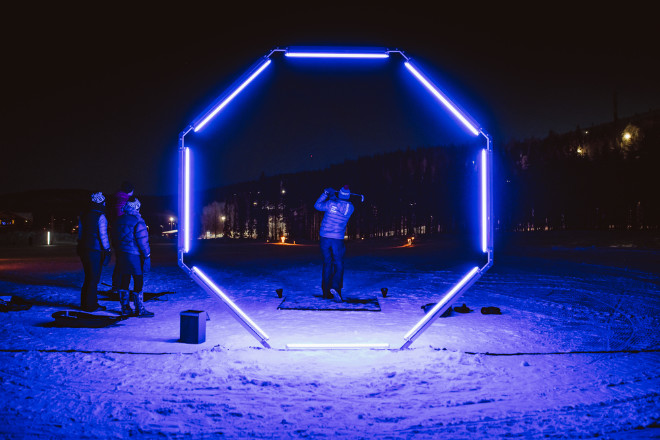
(171, 221)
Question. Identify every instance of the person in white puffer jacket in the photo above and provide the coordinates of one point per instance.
(133, 258)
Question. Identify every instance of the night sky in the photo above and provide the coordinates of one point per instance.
(95, 96)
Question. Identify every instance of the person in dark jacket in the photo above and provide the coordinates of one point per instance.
(337, 210)
(119, 200)
(133, 258)
(94, 250)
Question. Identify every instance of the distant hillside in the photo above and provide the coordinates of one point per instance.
(602, 177)
(61, 206)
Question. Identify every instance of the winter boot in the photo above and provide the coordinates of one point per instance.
(124, 299)
(140, 311)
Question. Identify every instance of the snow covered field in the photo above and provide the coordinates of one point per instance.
(575, 353)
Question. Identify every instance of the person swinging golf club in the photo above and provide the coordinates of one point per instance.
(337, 210)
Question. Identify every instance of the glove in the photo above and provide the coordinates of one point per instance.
(146, 265)
(329, 191)
(107, 254)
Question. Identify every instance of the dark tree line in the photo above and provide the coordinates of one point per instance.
(406, 192)
(597, 178)
(603, 177)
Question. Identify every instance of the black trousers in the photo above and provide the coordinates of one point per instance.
(138, 282)
(333, 251)
(92, 262)
(116, 275)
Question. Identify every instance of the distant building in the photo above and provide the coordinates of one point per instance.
(15, 219)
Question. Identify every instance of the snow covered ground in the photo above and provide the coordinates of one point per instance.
(575, 353)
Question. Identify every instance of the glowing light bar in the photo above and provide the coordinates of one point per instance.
(186, 200)
(48, 238)
(186, 196)
(233, 307)
(484, 201)
(229, 98)
(431, 314)
(345, 55)
(355, 346)
(442, 98)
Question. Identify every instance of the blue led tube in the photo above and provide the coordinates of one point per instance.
(336, 55)
(339, 346)
(464, 119)
(226, 100)
(442, 305)
(484, 201)
(205, 282)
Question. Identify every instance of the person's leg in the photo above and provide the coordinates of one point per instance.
(116, 276)
(140, 311)
(133, 266)
(116, 272)
(89, 300)
(138, 283)
(84, 258)
(327, 266)
(124, 296)
(98, 263)
(333, 266)
(337, 277)
(125, 282)
(338, 251)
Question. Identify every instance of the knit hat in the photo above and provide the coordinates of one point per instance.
(98, 198)
(126, 187)
(345, 193)
(132, 205)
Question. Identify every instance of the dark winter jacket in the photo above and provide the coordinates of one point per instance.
(131, 234)
(93, 229)
(337, 213)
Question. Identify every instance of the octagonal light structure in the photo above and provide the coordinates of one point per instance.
(485, 205)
